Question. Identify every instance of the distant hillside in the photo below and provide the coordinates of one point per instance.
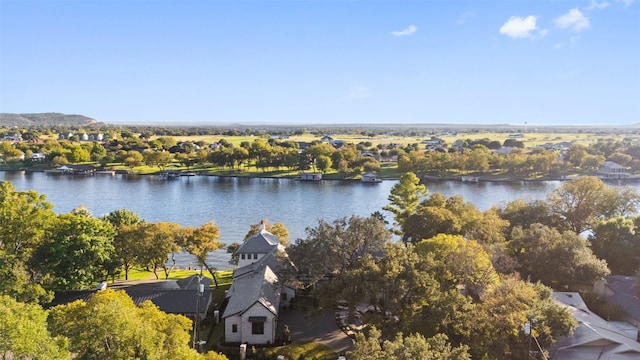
(45, 119)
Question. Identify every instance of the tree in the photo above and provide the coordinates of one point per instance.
(157, 242)
(77, 253)
(617, 241)
(126, 241)
(500, 317)
(24, 334)
(579, 202)
(555, 258)
(110, 326)
(133, 158)
(412, 347)
(157, 158)
(337, 246)
(200, 241)
(324, 163)
(460, 262)
(405, 197)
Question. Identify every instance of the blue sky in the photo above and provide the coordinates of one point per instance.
(541, 62)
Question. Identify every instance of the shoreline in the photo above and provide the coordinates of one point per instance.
(423, 180)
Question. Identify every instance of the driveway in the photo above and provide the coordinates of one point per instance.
(322, 329)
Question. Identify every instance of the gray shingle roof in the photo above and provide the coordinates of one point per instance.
(595, 338)
(249, 287)
(262, 243)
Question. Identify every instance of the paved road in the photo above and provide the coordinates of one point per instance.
(322, 329)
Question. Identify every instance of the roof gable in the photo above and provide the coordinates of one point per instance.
(248, 288)
(263, 242)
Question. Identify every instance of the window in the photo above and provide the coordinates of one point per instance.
(242, 256)
(257, 328)
(234, 328)
(255, 256)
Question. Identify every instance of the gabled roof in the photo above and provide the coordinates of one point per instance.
(251, 287)
(263, 242)
(624, 294)
(595, 338)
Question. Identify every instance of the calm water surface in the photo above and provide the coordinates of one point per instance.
(236, 203)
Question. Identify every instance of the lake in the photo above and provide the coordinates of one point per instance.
(235, 203)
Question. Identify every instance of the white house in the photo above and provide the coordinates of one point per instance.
(257, 293)
(257, 246)
(251, 315)
(612, 170)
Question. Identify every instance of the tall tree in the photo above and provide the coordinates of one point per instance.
(617, 241)
(405, 197)
(26, 219)
(555, 258)
(581, 202)
(158, 242)
(76, 255)
(199, 242)
(126, 241)
(24, 334)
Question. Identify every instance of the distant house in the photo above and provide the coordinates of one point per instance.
(595, 338)
(38, 157)
(434, 143)
(327, 138)
(310, 176)
(370, 178)
(257, 293)
(73, 169)
(612, 170)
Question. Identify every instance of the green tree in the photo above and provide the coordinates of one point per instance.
(110, 326)
(405, 197)
(579, 202)
(324, 163)
(371, 346)
(555, 258)
(78, 252)
(500, 317)
(158, 241)
(617, 241)
(126, 241)
(24, 334)
(200, 241)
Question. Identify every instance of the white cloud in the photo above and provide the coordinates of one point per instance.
(520, 27)
(359, 92)
(625, 2)
(406, 32)
(464, 17)
(574, 20)
(597, 5)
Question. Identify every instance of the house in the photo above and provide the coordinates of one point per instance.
(310, 176)
(258, 246)
(38, 157)
(258, 292)
(621, 290)
(171, 296)
(595, 338)
(327, 138)
(370, 178)
(612, 170)
(434, 143)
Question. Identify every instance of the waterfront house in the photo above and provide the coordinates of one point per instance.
(311, 176)
(370, 178)
(258, 292)
(612, 170)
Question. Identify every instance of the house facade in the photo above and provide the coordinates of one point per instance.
(258, 293)
(612, 170)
